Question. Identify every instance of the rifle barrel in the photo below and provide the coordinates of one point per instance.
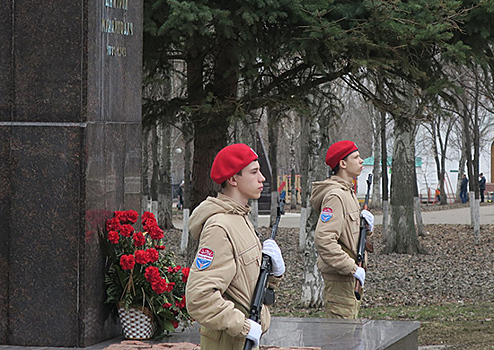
(262, 281)
(362, 238)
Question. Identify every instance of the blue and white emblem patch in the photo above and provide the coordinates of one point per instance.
(326, 214)
(204, 258)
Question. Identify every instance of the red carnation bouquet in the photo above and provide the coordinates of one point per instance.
(141, 272)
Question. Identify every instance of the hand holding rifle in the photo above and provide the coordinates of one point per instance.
(272, 262)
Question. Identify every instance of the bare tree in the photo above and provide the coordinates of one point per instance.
(440, 127)
(376, 170)
(402, 236)
(315, 142)
(146, 185)
(273, 126)
(165, 202)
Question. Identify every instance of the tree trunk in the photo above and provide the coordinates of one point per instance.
(476, 159)
(461, 168)
(475, 215)
(416, 206)
(402, 236)
(384, 178)
(273, 160)
(156, 170)
(315, 133)
(313, 284)
(304, 180)
(293, 140)
(376, 171)
(165, 197)
(293, 190)
(209, 139)
(472, 169)
(186, 191)
(146, 188)
(187, 172)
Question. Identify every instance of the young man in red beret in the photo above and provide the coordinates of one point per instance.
(224, 273)
(338, 228)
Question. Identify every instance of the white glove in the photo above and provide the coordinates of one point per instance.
(270, 248)
(369, 218)
(255, 332)
(360, 275)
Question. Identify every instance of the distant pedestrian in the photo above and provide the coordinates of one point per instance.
(482, 187)
(438, 195)
(463, 189)
(180, 204)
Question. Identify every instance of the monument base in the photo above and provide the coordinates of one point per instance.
(330, 334)
(310, 332)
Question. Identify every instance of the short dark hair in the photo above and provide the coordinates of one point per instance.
(223, 184)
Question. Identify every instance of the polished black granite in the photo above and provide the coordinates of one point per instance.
(331, 334)
(314, 332)
(70, 154)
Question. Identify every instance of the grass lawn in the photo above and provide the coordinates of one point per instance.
(462, 326)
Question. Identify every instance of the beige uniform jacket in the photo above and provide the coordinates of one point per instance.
(338, 227)
(226, 267)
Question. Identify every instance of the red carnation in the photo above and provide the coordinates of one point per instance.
(175, 324)
(113, 237)
(113, 224)
(152, 274)
(152, 254)
(147, 216)
(142, 257)
(180, 304)
(185, 272)
(119, 215)
(159, 286)
(131, 216)
(174, 269)
(126, 230)
(170, 286)
(139, 239)
(159, 247)
(154, 231)
(127, 262)
(167, 305)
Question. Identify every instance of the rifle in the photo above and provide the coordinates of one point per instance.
(362, 238)
(263, 294)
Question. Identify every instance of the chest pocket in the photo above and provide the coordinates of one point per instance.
(249, 262)
(354, 222)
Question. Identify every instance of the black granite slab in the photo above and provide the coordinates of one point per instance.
(70, 143)
(327, 334)
(330, 334)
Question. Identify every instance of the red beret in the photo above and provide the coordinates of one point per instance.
(338, 151)
(230, 160)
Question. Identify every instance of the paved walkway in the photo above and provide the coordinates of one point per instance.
(450, 216)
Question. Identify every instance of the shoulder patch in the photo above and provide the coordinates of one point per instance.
(204, 258)
(326, 214)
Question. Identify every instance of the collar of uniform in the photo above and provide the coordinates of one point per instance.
(235, 207)
(345, 184)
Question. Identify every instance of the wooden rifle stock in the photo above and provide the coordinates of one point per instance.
(262, 281)
(362, 238)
